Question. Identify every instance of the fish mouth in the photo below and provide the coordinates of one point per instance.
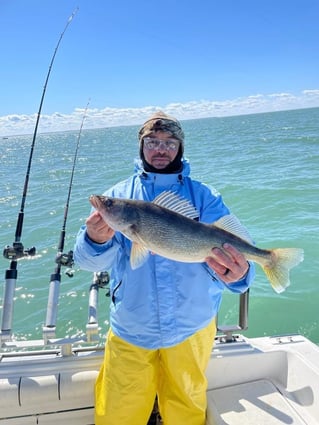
(101, 202)
(95, 201)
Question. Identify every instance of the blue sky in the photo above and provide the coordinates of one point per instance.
(190, 58)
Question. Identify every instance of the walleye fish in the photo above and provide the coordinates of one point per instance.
(167, 227)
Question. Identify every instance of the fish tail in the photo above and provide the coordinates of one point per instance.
(277, 270)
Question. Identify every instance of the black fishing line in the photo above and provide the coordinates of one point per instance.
(67, 259)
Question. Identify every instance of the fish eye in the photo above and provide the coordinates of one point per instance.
(108, 202)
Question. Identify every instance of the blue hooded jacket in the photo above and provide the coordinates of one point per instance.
(162, 302)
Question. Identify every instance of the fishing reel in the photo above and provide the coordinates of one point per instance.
(66, 260)
(18, 251)
(101, 279)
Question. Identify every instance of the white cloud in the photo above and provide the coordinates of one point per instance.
(311, 93)
(108, 117)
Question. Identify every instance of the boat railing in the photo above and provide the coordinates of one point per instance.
(67, 346)
(227, 331)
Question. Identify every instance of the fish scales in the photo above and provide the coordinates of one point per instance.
(152, 226)
(175, 236)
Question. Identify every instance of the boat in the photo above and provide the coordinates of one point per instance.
(262, 380)
(49, 381)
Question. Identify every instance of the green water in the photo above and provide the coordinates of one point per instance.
(265, 165)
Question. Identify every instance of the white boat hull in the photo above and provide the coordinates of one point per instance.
(250, 381)
(48, 389)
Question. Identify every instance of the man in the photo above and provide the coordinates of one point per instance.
(162, 314)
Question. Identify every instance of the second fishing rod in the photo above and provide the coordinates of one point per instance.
(62, 259)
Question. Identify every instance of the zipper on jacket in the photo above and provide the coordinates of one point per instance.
(114, 291)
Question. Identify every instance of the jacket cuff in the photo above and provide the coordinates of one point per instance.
(243, 284)
(98, 247)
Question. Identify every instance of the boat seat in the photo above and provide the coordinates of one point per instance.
(258, 402)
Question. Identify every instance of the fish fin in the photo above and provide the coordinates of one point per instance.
(175, 202)
(283, 259)
(231, 224)
(138, 255)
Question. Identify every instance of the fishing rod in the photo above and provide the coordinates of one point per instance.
(62, 259)
(17, 250)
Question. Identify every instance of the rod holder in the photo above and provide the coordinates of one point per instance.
(242, 325)
(100, 280)
(52, 307)
(8, 303)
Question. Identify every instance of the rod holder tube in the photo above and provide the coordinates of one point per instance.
(8, 300)
(53, 301)
(92, 326)
(243, 310)
(93, 300)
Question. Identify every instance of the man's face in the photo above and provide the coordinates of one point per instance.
(161, 155)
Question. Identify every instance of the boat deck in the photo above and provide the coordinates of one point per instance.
(259, 402)
(270, 381)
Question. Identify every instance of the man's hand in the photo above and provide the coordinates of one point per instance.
(97, 230)
(228, 263)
